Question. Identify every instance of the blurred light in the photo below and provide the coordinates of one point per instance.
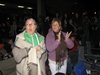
(72, 12)
(29, 7)
(95, 12)
(7, 18)
(2, 4)
(20, 6)
(75, 2)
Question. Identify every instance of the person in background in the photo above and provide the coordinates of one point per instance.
(1, 50)
(73, 54)
(1, 73)
(59, 74)
(29, 50)
(57, 43)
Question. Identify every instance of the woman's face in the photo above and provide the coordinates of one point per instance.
(31, 26)
(56, 27)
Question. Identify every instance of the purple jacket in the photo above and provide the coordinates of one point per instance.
(51, 44)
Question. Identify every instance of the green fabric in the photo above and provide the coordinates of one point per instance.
(29, 38)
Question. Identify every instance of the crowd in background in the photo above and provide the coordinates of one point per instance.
(84, 26)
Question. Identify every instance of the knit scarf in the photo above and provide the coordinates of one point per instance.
(35, 40)
(29, 38)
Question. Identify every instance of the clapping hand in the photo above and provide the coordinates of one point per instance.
(59, 36)
(38, 48)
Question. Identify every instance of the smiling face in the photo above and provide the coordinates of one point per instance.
(56, 25)
(31, 26)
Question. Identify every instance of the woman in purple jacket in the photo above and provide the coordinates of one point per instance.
(57, 43)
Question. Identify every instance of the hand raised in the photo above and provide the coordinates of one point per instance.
(68, 35)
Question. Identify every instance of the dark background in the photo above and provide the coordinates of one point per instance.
(51, 6)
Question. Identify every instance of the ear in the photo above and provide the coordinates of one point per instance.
(60, 27)
(36, 27)
(24, 28)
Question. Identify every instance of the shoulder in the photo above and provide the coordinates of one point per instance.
(41, 36)
(63, 33)
(20, 35)
(50, 33)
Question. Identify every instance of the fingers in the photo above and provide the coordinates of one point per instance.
(59, 36)
(68, 34)
(38, 48)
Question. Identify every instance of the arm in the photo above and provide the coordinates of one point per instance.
(21, 43)
(19, 54)
(69, 43)
(51, 44)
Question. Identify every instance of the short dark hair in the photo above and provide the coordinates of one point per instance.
(59, 73)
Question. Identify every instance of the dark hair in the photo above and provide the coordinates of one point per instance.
(24, 27)
(61, 52)
(32, 19)
(1, 73)
(59, 73)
